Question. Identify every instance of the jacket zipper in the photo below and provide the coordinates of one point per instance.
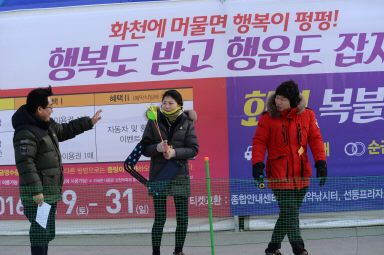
(299, 141)
(299, 134)
(287, 171)
(285, 135)
(302, 168)
(293, 156)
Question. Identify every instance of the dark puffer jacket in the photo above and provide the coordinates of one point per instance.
(37, 154)
(182, 136)
(286, 134)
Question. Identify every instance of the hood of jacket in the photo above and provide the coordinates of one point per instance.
(272, 108)
(23, 117)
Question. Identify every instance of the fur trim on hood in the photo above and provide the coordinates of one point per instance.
(272, 109)
(191, 114)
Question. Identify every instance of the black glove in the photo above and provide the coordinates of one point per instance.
(322, 172)
(258, 173)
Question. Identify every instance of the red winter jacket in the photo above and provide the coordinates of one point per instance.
(283, 134)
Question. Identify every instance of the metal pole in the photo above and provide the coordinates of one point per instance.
(206, 159)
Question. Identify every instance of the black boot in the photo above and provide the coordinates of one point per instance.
(273, 249)
(38, 250)
(298, 248)
(277, 252)
(155, 250)
(304, 252)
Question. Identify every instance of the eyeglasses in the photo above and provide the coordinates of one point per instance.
(50, 107)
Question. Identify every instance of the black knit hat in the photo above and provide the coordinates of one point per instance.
(290, 90)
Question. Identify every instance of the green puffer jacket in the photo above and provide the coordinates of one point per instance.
(182, 136)
(37, 154)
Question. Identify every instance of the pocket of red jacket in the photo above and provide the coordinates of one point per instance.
(277, 169)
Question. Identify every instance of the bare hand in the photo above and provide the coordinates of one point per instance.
(39, 199)
(171, 153)
(96, 117)
(162, 147)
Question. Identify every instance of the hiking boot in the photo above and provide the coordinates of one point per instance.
(277, 252)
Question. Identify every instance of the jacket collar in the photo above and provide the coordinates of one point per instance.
(23, 117)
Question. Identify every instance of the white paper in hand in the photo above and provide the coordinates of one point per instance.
(42, 214)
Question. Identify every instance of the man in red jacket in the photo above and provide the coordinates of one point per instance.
(284, 130)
